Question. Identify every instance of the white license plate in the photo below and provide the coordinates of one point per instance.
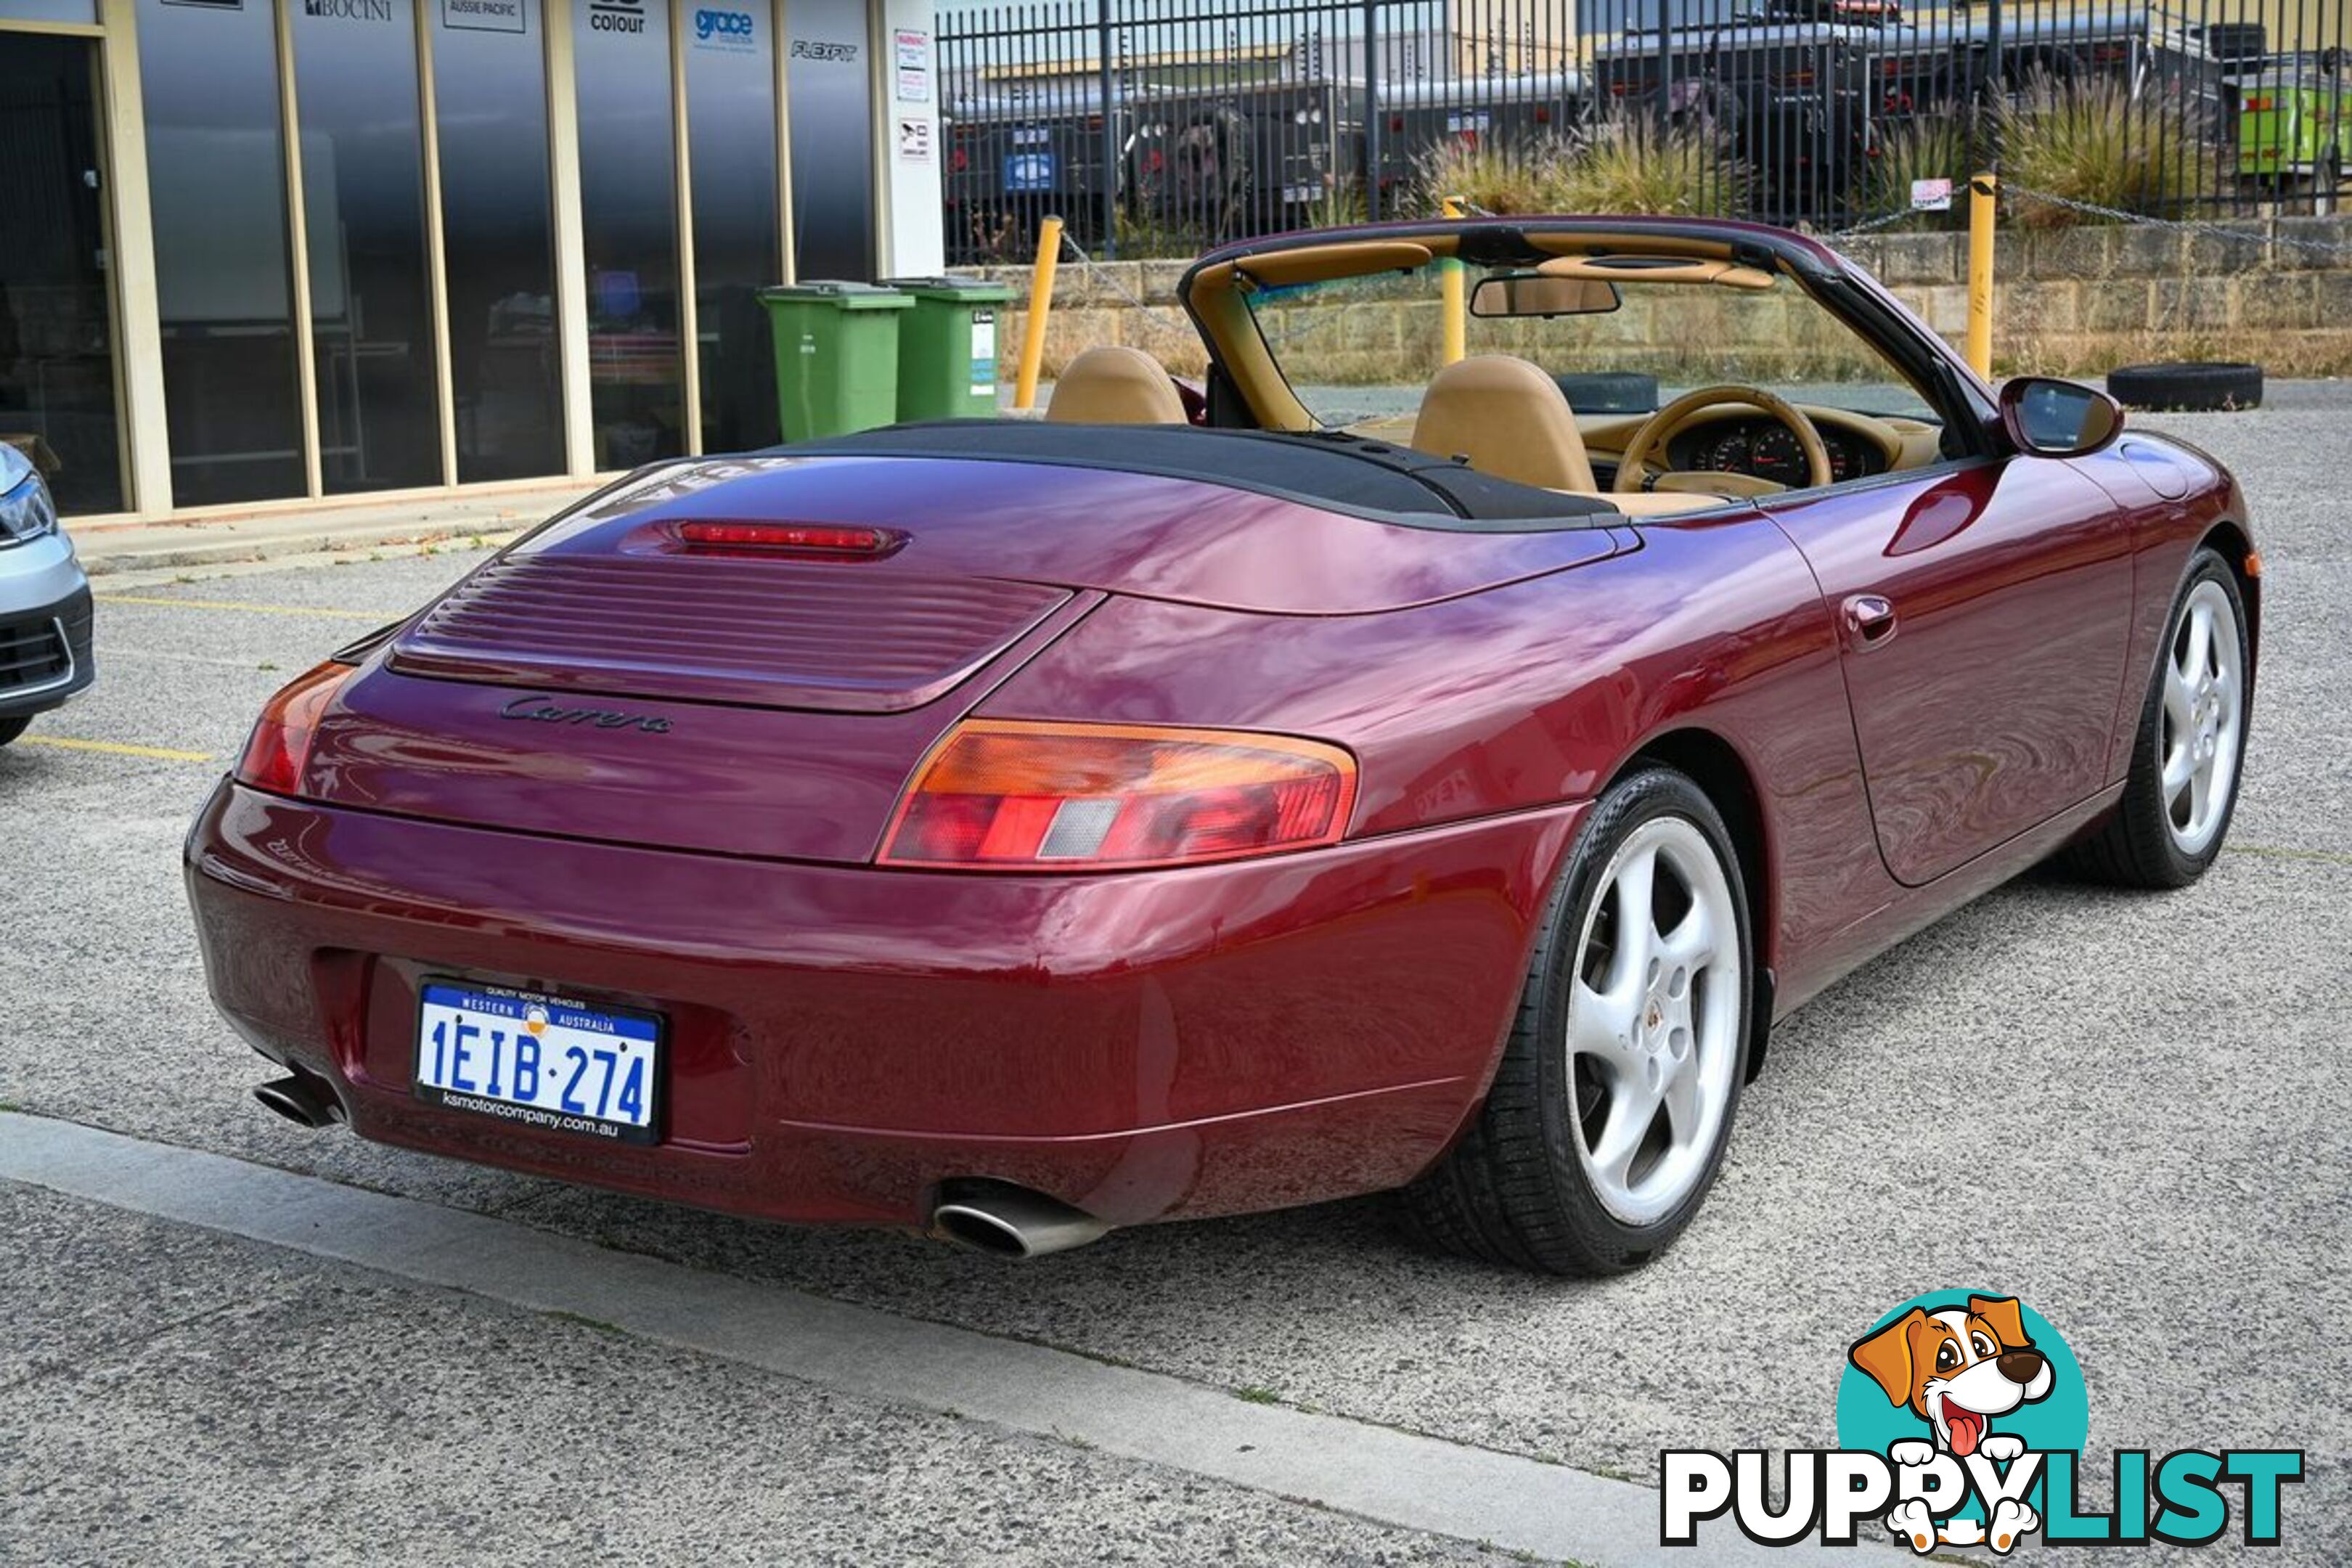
(540, 1061)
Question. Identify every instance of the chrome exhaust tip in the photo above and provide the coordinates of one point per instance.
(1006, 1220)
(301, 1101)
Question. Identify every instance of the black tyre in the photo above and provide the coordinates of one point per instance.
(2189, 749)
(2187, 388)
(12, 728)
(1608, 391)
(1608, 1117)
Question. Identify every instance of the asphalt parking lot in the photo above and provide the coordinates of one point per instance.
(2129, 1110)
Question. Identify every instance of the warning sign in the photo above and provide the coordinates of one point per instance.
(914, 60)
(1931, 196)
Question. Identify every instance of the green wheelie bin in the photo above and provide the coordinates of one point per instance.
(836, 356)
(947, 347)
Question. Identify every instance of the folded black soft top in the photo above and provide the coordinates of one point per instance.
(1331, 469)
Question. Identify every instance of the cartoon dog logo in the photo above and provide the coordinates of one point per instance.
(1958, 1368)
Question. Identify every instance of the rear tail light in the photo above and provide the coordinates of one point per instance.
(279, 747)
(1065, 798)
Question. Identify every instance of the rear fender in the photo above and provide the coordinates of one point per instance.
(1529, 695)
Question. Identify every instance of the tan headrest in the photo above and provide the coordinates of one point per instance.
(1115, 386)
(1508, 419)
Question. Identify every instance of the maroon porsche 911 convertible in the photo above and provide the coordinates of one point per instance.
(1377, 773)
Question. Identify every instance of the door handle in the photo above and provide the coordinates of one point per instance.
(1869, 620)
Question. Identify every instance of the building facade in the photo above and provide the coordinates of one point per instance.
(255, 251)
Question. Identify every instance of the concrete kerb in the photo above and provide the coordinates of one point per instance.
(1388, 1476)
(109, 548)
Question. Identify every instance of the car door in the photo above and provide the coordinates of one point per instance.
(1982, 611)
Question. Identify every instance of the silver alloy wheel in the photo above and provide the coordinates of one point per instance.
(2204, 718)
(1653, 1020)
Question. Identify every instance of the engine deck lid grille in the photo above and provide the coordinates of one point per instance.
(845, 636)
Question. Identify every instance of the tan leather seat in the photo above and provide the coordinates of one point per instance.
(1508, 418)
(1115, 386)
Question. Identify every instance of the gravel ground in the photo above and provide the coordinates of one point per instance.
(2157, 1159)
(259, 1408)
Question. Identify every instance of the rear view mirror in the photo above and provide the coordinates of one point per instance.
(2052, 418)
(1531, 294)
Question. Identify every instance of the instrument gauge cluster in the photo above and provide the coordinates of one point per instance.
(1767, 450)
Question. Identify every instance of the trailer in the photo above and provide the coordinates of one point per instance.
(1512, 111)
(1011, 159)
(1228, 162)
(1792, 102)
(1945, 68)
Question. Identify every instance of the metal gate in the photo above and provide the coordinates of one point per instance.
(1155, 127)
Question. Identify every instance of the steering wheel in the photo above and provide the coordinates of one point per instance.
(1633, 473)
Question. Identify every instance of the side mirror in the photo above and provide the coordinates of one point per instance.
(2052, 418)
(1531, 294)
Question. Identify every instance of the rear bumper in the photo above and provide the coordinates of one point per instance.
(843, 1039)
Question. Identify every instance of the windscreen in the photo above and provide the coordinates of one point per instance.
(1358, 352)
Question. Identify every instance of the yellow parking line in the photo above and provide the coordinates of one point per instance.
(371, 616)
(115, 748)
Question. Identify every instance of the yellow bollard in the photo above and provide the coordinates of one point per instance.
(1980, 214)
(1449, 272)
(1041, 301)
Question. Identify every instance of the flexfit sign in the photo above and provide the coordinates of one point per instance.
(1961, 1422)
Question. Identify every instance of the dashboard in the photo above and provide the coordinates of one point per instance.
(1767, 449)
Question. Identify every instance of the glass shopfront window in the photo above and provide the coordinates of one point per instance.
(831, 89)
(731, 109)
(217, 183)
(365, 74)
(57, 306)
(628, 215)
(81, 12)
(364, 210)
(489, 83)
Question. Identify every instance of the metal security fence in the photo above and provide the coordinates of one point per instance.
(1156, 127)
